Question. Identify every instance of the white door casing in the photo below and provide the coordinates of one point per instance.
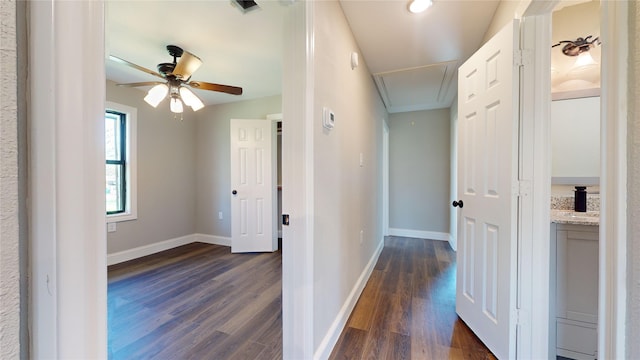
(253, 186)
(486, 287)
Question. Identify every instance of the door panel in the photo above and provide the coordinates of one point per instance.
(487, 175)
(253, 179)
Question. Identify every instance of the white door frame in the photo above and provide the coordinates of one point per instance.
(67, 228)
(297, 182)
(385, 178)
(536, 141)
(612, 297)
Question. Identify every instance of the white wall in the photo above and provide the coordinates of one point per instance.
(166, 174)
(419, 172)
(213, 179)
(347, 197)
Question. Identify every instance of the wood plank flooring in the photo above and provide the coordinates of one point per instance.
(407, 309)
(197, 301)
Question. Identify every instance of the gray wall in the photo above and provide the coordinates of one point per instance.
(166, 174)
(213, 179)
(419, 170)
(347, 196)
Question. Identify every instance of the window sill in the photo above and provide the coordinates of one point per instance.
(121, 217)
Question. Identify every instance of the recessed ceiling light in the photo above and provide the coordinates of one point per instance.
(418, 6)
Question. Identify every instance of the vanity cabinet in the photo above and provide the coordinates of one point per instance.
(576, 287)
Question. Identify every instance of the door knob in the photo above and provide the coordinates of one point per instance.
(458, 203)
(234, 192)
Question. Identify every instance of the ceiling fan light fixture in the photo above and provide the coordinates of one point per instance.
(578, 46)
(156, 94)
(176, 105)
(584, 59)
(418, 6)
(190, 99)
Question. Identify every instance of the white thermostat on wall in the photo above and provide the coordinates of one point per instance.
(328, 118)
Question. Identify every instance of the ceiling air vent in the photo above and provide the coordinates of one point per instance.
(419, 88)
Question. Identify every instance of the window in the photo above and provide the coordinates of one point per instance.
(120, 148)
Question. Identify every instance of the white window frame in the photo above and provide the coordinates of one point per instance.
(131, 204)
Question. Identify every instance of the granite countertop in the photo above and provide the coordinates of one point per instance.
(562, 210)
(577, 218)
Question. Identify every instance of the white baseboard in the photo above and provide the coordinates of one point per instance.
(326, 346)
(213, 239)
(141, 251)
(419, 234)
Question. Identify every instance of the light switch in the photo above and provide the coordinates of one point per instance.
(328, 118)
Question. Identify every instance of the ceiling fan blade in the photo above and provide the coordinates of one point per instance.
(137, 67)
(146, 83)
(233, 90)
(186, 66)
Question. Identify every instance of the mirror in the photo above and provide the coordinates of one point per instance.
(575, 141)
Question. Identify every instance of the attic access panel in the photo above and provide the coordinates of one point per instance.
(419, 88)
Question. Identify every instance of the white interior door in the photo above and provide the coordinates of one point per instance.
(488, 93)
(253, 186)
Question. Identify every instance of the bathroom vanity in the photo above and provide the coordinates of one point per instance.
(574, 244)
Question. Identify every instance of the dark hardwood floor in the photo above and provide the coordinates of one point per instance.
(407, 309)
(197, 301)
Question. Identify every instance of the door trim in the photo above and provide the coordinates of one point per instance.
(297, 178)
(68, 282)
(612, 297)
(613, 217)
(385, 178)
(535, 173)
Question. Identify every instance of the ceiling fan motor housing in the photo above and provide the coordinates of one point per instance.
(166, 68)
(175, 51)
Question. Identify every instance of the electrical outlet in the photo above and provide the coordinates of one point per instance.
(111, 227)
(219, 215)
(361, 236)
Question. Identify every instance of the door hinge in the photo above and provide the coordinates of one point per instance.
(520, 317)
(522, 188)
(522, 57)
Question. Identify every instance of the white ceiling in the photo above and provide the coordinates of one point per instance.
(413, 58)
(236, 49)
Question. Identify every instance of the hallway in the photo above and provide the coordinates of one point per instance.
(407, 309)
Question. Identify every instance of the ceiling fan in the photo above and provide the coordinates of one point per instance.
(177, 76)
